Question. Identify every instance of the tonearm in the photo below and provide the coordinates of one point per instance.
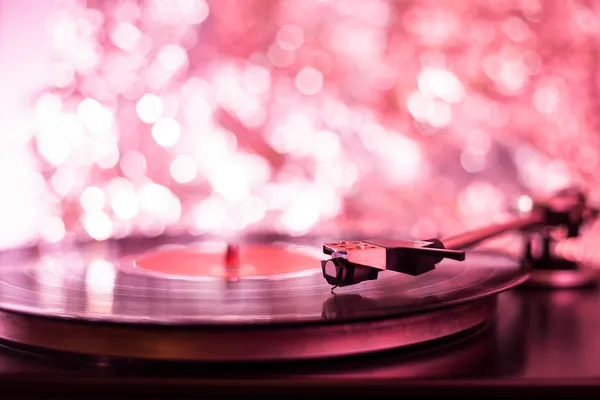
(355, 261)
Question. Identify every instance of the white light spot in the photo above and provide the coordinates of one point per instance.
(210, 215)
(63, 181)
(545, 100)
(442, 84)
(512, 77)
(53, 230)
(307, 207)
(472, 162)
(439, 114)
(404, 158)
(196, 11)
(183, 169)
(125, 36)
(290, 37)
(101, 275)
(479, 142)
(97, 119)
(279, 57)
(85, 58)
(480, 200)
(309, 81)
(166, 132)
(230, 180)
(257, 80)
(124, 202)
(516, 29)
(149, 108)
(160, 201)
(172, 57)
(57, 139)
(107, 155)
(133, 164)
(525, 203)
(98, 225)
(62, 74)
(253, 209)
(87, 108)
(48, 108)
(417, 105)
(92, 199)
(326, 144)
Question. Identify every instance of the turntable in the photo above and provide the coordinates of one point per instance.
(270, 316)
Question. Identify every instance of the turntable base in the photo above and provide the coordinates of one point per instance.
(234, 343)
(455, 331)
(95, 301)
(540, 342)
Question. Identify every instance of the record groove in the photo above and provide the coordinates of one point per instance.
(94, 296)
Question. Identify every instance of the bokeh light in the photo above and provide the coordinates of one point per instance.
(315, 116)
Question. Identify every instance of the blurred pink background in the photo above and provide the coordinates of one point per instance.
(170, 117)
(24, 49)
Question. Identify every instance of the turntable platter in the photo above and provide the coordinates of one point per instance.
(97, 298)
(255, 260)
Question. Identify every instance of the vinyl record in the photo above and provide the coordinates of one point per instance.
(108, 300)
